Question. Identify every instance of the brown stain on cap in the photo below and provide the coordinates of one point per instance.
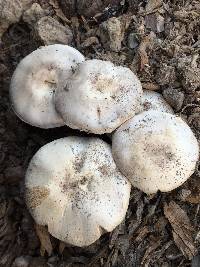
(35, 196)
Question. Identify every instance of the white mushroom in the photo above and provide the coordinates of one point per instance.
(35, 80)
(74, 187)
(155, 151)
(154, 101)
(99, 97)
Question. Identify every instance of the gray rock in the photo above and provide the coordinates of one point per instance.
(132, 40)
(191, 78)
(22, 261)
(174, 98)
(50, 31)
(33, 14)
(155, 22)
(111, 34)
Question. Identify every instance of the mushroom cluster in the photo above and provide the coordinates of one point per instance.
(80, 186)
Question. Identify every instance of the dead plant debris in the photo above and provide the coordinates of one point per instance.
(182, 231)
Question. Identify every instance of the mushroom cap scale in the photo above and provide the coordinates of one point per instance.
(155, 151)
(99, 97)
(35, 81)
(74, 187)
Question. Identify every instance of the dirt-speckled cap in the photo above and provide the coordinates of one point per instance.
(99, 97)
(154, 101)
(35, 81)
(74, 187)
(155, 151)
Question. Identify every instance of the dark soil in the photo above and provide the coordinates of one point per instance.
(161, 43)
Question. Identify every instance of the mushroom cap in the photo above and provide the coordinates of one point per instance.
(35, 80)
(99, 97)
(154, 101)
(155, 151)
(74, 187)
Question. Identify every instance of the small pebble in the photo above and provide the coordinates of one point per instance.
(111, 34)
(132, 40)
(33, 14)
(22, 261)
(174, 98)
(50, 31)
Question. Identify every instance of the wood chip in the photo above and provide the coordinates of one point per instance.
(141, 234)
(45, 241)
(182, 229)
(152, 5)
(90, 41)
(150, 86)
(193, 195)
(75, 29)
(58, 11)
(62, 246)
(145, 43)
(148, 253)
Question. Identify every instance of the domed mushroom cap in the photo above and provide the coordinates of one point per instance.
(155, 151)
(99, 97)
(154, 101)
(35, 81)
(74, 187)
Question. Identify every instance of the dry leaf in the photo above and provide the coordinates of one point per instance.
(182, 229)
(145, 43)
(150, 86)
(62, 246)
(141, 234)
(75, 29)
(152, 5)
(45, 241)
(148, 253)
(194, 196)
(58, 11)
(126, 20)
(90, 41)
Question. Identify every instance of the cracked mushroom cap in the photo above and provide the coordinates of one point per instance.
(74, 187)
(155, 151)
(99, 97)
(35, 81)
(154, 101)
